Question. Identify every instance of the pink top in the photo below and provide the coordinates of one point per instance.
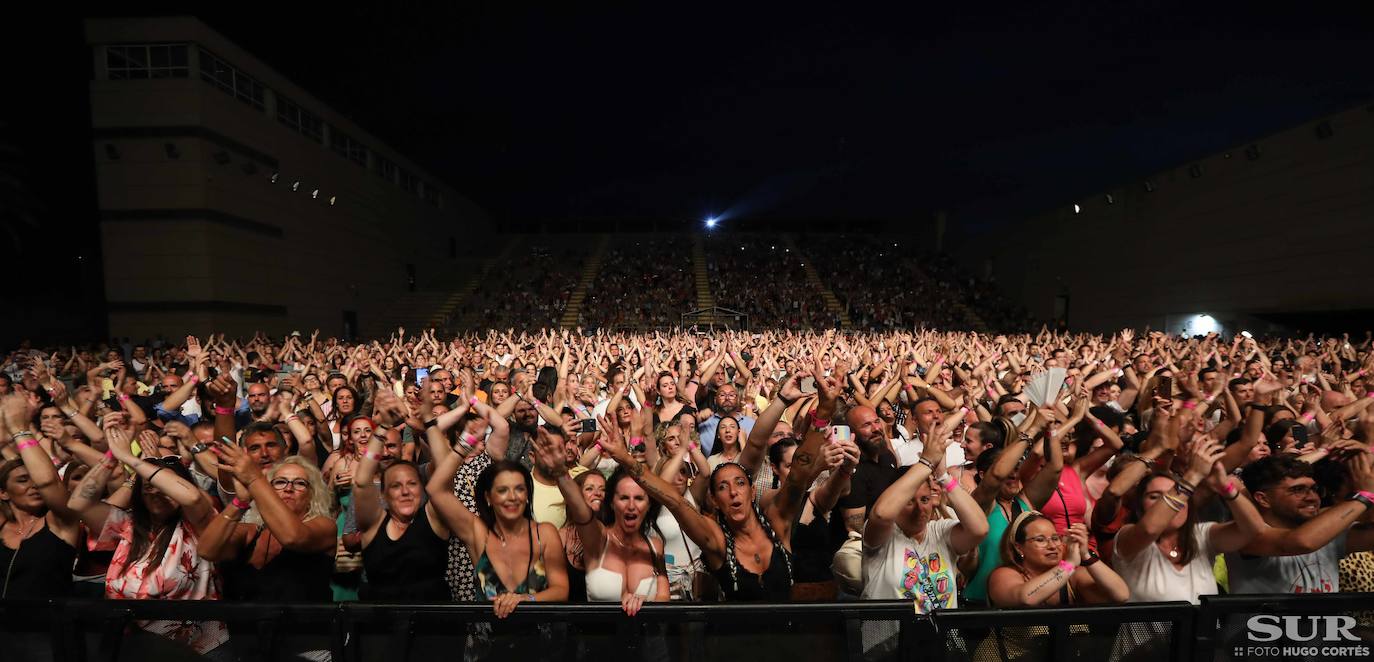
(1068, 505)
(182, 575)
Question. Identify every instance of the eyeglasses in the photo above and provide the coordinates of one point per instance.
(1044, 541)
(1300, 490)
(297, 485)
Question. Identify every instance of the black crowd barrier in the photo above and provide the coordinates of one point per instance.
(1221, 629)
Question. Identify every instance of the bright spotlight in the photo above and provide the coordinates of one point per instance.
(295, 186)
(1077, 209)
(711, 222)
(332, 198)
(315, 194)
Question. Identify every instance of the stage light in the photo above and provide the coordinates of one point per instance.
(1149, 186)
(275, 175)
(711, 222)
(1111, 200)
(332, 198)
(1077, 209)
(295, 186)
(315, 194)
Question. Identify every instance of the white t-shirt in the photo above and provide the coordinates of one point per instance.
(904, 569)
(600, 409)
(1153, 578)
(908, 452)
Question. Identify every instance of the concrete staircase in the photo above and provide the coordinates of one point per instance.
(701, 277)
(573, 311)
(813, 277)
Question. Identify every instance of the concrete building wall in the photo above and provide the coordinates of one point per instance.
(198, 237)
(1282, 224)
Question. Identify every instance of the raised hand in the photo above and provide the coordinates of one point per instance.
(231, 458)
(148, 444)
(788, 390)
(1076, 543)
(549, 455)
(192, 347)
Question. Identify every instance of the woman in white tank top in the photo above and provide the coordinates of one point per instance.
(629, 562)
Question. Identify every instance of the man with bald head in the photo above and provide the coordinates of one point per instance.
(877, 468)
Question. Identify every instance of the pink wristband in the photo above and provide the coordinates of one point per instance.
(1230, 487)
(1307, 418)
(369, 455)
(1067, 567)
(239, 503)
(473, 401)
(223, 411)
(123, 397)
(1190, 405)
(1366, 494)
(951, 484)
(27, 443)
(194, 379)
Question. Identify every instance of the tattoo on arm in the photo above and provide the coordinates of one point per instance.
(854, 523)
(1058, 574)
(90, 489)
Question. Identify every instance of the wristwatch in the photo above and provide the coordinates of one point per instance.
(1364, 497)
(1091, 559)
(200, 448)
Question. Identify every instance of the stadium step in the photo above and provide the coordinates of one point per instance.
(813, 277)
(573, 311)
(701, 276)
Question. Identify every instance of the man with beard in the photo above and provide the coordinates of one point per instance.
(1301, 548)
(726, 404)
(524, 425)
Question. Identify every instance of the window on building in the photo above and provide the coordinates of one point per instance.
(386, 168)
(141, 61)
(409, 182)
(231, 81)
(347, 147)
(299, 119)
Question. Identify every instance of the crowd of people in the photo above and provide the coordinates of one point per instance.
(530, 288)
(950, 469)
(644, 282)
(743, 265)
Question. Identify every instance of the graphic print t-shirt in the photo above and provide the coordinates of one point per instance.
(904, 569)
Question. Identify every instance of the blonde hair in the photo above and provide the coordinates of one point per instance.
(321, 499)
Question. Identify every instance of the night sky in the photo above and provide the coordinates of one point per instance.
(631, 112)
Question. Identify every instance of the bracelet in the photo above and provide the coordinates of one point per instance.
(1092, 558)
(636, 441)
(123, 397)
(1365, 497)
(22, 433)
(431, 423)
(472, 402)
(292, 417)
(27, 443)
(1067, 567)
(129, 483)
(1307, 418)
(817, 423)
(949, 485)
(155, 472)
(928, 464)
(223, 411)
(1230, 490)
(240, 503)
(1190, 404)
(1174, 503)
